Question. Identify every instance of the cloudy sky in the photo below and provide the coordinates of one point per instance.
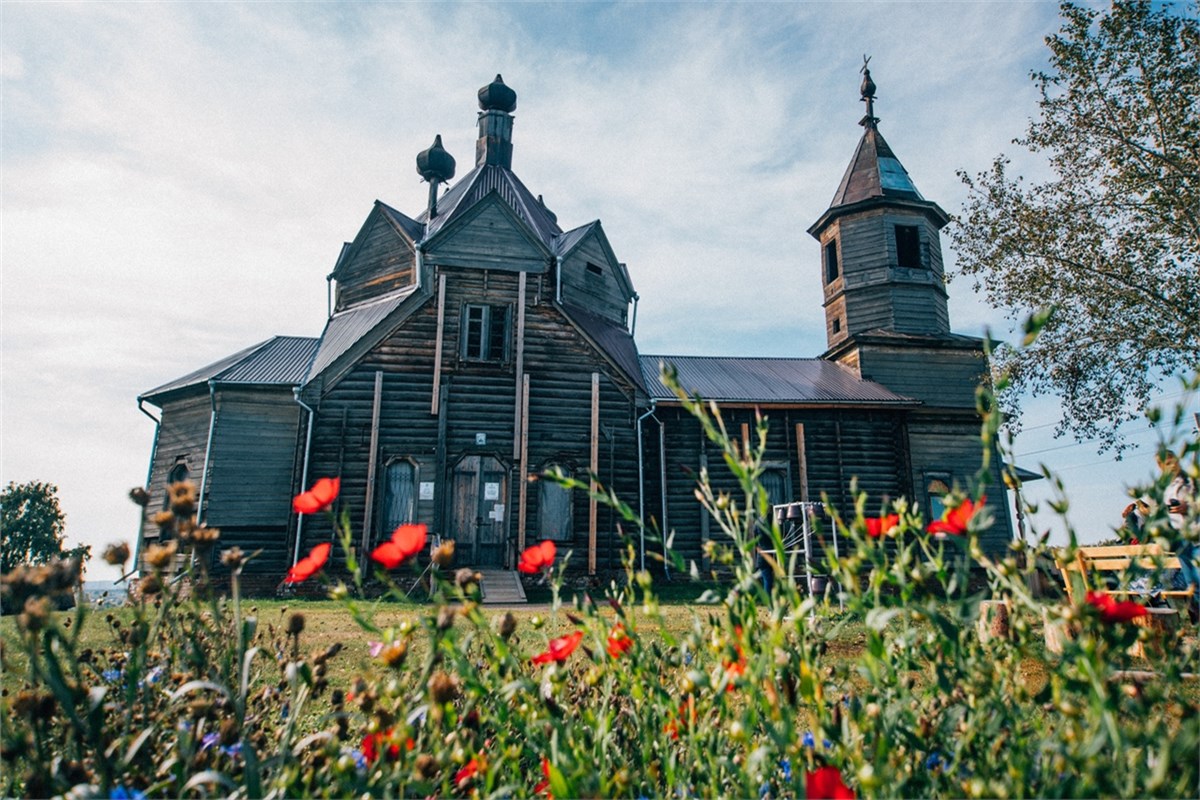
(178, 179)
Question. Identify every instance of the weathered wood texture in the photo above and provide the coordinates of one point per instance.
(182, 436)
(478, 400)
(488, 237)
(941, 377)
(381, 259)
(872, 290)
(839, 445)
(589, 280)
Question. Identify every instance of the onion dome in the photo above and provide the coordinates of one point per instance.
(868, 86)
(435, 164)
(497, 97)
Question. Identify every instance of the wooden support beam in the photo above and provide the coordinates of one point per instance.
(437, 347)
(522, 501)
(372, 460)
(518, 429)
(593, 469)
(802, 462)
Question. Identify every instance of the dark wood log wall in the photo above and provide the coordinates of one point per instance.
(182, 434)
(382, 260)
(476, 398)
(839, 444)
(588, 281)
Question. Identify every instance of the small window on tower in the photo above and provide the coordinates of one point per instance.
(908, 246)
(837, 325)
(485, 333)
(831, 261)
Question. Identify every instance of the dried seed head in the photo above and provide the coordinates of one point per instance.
(427, 766)
(233, 558)
(443, 555)
(295, 624)
(228, 731)
(204, 537)
(36, 614)
(507, 625)
(149, 586)
(443, 687)
(164, 519)
(116, 553)
(445, 618)
(140, 496)
(158, 556)
(394, 654)
(182, 498)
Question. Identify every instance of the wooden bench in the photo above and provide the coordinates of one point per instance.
(1148, 558)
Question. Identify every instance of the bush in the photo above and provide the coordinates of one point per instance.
(765, 694)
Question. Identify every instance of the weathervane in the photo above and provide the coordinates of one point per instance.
(868, 94)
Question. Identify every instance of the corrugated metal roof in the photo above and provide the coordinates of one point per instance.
(280, 360)
(475, 186)
(347, 327)
(874, 171)
(414, 229)
(767, 380)
(568, 241)
(613, 339)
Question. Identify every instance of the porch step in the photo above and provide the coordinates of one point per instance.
(502, 587)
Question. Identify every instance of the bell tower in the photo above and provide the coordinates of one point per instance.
(881, 252)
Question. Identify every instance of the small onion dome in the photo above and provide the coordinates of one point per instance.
(497, 97)
(868, 85)
(435, 164)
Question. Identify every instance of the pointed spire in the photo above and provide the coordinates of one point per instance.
(868, 96)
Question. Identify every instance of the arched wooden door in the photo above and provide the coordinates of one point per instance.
(478, 516)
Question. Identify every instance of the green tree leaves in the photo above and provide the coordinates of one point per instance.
(32, 523)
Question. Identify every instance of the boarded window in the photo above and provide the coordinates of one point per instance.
(399, 494)
(831, 261)
(485, 333)
(908, 246)
(555, 509)
(937, 486)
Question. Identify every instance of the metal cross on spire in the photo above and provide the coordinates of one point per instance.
(868, 95)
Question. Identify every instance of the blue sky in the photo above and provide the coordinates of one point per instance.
(178, 179)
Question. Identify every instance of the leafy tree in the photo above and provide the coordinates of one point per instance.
(1110, 242)
(32, 524)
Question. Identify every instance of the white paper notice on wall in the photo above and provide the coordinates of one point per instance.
(491, 491)
(426, 490)
(497, 512)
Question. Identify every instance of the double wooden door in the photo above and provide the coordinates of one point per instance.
(479, 516)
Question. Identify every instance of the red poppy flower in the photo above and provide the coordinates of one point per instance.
(466, 773)
(559, 649)
(826, 784)
(1111, 610)
(318, 498)
(406, 542)
(544, 785)
(687, 717)
(537, 558)
(955, 520)
(880, 526)
(373, 746)
(310, 565)
(618, 641)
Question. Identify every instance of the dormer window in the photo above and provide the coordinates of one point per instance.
(595, 269)
(831, 261)
(908, 246)
(484, 334)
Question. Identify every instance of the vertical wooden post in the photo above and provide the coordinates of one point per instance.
(594, 468)
(518, 430)
(745, 440)
(437, 347)
(371, 461)
(705, 531)
(802, 462)
(521, 496)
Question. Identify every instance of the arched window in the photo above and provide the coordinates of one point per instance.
(399, 494)
(178, 474)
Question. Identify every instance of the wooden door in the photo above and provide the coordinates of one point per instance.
(479, 515)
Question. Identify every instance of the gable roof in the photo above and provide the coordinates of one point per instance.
(278, 361)
(799, 381)
(475, 186)
(566, 243)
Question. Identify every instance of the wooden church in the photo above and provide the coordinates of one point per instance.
(478, 343)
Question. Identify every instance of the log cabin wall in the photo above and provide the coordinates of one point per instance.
(182, 436)
(379, 260)
(475, 423)
(839, 444)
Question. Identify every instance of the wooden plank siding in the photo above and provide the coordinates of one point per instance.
(839, 445)
(489, 237)
(382, 260)
(599, 292)
(182, 437)
(478, 399)
(943, 377)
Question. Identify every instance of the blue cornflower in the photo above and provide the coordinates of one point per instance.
(807, 740)
(232, 750)
(121, 793)
(785, 767)
(209, 740)
(936, 761)
(111, 675)
(360, 760)
(764, 791)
